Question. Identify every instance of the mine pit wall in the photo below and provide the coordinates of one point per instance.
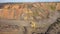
(7, 11)
(4, 14)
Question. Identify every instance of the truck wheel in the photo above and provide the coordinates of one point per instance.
(54, 28)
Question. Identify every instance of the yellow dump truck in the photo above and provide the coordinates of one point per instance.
(30, 18)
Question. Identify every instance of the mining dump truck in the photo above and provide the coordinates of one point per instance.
(30, 18)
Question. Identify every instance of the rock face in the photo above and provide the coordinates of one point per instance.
(35, 17)
(28, 10)
(57, 7)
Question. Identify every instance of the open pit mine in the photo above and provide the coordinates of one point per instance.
(30, 18)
